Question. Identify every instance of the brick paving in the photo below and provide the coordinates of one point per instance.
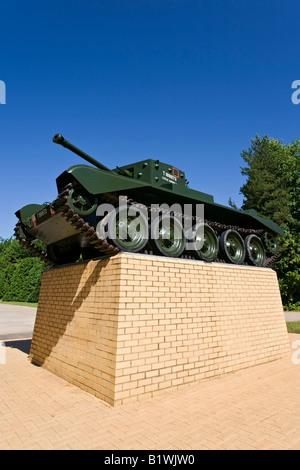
(255, 408)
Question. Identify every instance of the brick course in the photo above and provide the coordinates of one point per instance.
(131, 326)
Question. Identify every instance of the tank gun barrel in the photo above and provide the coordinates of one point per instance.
(59, 139)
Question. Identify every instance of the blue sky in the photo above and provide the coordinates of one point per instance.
(186, 82)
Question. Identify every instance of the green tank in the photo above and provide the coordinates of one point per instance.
(145, 207)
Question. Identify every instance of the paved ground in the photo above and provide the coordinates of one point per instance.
(16, 321)
(292, 316)
(257, 408)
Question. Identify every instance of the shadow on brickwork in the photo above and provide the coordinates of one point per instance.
(54, 314)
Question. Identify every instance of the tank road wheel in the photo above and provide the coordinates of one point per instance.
(126, 228)
(271, 243)
(232, 246)
(205, 242)
(81, 202)
(167, 236)
(255, 250)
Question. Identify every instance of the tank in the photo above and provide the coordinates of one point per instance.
(144, 207)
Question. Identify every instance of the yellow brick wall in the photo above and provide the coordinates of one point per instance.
(75, 333)
(134, 325)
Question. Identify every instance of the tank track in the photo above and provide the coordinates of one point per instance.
(62, 206)
(36, 252)
(215, 225)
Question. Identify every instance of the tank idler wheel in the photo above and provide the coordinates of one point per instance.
(271, 243)
(204, 243)
(167, 236)
(255, 250)
(232, 246)
(126, 228)
(81, 202)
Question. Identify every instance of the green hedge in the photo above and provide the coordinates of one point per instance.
(20, 273)
(25, 281)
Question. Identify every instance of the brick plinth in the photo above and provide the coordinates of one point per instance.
(133, 325)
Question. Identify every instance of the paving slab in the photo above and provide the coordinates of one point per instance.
(256, 408)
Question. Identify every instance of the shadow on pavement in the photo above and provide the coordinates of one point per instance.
(21, 344)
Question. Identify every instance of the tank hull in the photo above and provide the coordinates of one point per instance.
(57, 225)
(162, 216)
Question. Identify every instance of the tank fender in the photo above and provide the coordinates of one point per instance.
(97, 181)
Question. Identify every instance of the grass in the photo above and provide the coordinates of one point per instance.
(293, 326)
(24, 304)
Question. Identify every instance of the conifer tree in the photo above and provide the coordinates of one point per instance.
(273, 189)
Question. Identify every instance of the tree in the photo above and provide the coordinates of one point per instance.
(20, 273)
(273, 189)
